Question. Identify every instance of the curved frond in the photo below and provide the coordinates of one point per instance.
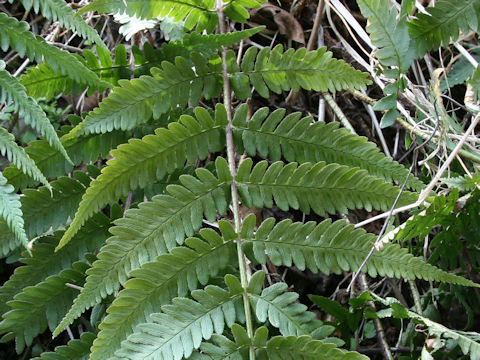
(151, 230)
(305, 348)
(279, 71)
(77, 349)
(181, 326)
(12, 92)
(443, 24)
(17, 155)
(142, 162)
(275, 135)
(42, 82)
(283, 311)
(42, 305)
(158, 282)
(196, 13)
(320, 187)
(10, 210)
(15, 34)
(388, 35)
(45, 262)
(83, 149)
(58, 10)
(336, 247)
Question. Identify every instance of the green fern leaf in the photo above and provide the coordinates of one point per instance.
(273, 136)
(141, 162)
(279, 71)
(157, 283)
(336, 247)
(305, 348)
(83, 149)
(282, 311)
(198, 13)
(151, 230)
(444, 24)
(45, 262)
(463, 183)
(77, 349)
(15, 34)
(41, 305)
(18, 156)
(10, 210)
(13, 92)
(320, 187)
(181, 326)
(58, 10)
(389, 36)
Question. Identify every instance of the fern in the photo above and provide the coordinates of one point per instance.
(77, 349)
(297, 139)
(10, 210)
(58, 10)
(443, 24)
(320, 187)
(181, 326)
(13, 92)
(51, 163)
(15, 34)
(158, 282)
(135, 101)
(141, 162)
(42, 305)
(336, 247)
(164, 221)
(45, 262)
(198, 13)
(283, 312)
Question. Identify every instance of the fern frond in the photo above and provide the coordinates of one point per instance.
(336, 247)
(181, 326)
(45, 261)
(275, 135)
(17, 155)
(58, 10)
(83, 149)
(463, 183)
(279, 71)
(42, 82)
(280, 308)
(15, 34)
(157, 283)
(443, 24)
(151, 230)
(197, 13)
(41, 305)
(12, 92)
(77, 349)
(388, 35)
(320, 187)
(10, 211)
(141, 162)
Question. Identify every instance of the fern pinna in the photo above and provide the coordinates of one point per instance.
(176, 275)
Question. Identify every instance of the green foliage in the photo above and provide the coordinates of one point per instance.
(15, 34)
(178, 191)
(443, 24)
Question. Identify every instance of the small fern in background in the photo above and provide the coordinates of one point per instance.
(180, 274)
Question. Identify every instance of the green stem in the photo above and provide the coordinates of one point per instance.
(243, 267)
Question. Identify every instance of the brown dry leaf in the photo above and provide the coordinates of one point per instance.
(275, 18)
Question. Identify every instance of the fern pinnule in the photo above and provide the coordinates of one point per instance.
(151, 230)
(276, 136)
(157, 283)
(142, 162)
(75, 349)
